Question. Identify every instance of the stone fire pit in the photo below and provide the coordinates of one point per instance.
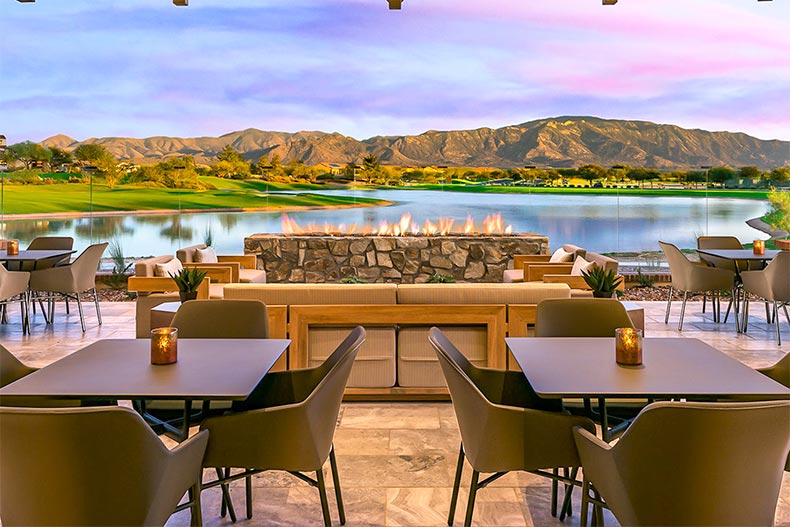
(401, 259)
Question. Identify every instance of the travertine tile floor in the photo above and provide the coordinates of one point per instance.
(396, 460)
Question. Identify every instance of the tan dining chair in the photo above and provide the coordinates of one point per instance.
(721, 242)
(11, 368)
(70, 281)
(55, 243)
(580, 317)
(689, 277)
(499, 437)
(211, 319)
(14, 288)
(780, 371)
(771, 284)
(222, 319)
(702, 464)
(93, 467)
(287, 424)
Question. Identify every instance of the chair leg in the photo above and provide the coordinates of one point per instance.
(459, 468)
(226, 501)
(705, 301)
(554, 488)
(597, 509)
(319, 476)
(682, 310)
(768, 312)
(68, 311)
(567, 509)
(787, 316)
(82, 315)
(727, 314)
(336, 480)
(196, 519)
(585, 502)
(776, 320)
(669, 305)
(470, 505)
(96, 302)
(745, 314)
(714, 300)
(248, 495)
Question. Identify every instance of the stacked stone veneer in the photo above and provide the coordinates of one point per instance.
(400, 259)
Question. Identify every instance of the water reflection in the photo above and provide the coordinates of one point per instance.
(600, 223)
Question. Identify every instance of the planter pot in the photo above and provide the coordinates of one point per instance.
(599, 294)
(184, 295)
(782, 244)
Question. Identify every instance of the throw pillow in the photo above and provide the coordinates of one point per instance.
(560, 255)
(166, 269)
(207, 255)
(579, 265)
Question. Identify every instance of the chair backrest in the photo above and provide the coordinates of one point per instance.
(780, 372)
(499, 438)
(216, 319)
(580, 317)
(777, 274)
(719, 242)
(85, 266)
(11, 368)
(710, 464)
(12, 283)
(679, 266)
(65, 243)
(81, 466)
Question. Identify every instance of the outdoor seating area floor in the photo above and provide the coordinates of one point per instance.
(396, 460)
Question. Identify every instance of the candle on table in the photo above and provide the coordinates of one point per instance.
(628, 346)
(164, 345)
(759, 247)
(12, 248)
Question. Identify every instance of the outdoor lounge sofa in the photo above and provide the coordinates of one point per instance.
(396, 359)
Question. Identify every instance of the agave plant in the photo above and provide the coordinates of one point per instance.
(188, 279)
(353, 279)
(602, 282)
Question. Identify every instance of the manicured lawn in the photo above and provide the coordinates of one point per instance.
(733, 193)
(75, 197)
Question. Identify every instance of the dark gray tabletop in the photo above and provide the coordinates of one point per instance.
(34, 255)
(207, 369)
(672, 367)
(740, 254)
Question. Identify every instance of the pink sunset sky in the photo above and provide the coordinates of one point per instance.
(145, 67)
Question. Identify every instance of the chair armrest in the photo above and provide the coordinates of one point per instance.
(218, 272)
(573, 281)
(520, 259)
(534, 272)
(183, 469)
(246, 261)
(161, 284)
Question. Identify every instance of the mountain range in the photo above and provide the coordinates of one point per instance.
(553, 142)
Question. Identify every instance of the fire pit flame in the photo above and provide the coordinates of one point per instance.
(492, 224)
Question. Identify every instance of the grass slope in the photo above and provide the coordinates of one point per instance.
(75, 197)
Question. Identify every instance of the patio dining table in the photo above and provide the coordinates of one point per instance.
(36, 255)
(673, 368)
(120, 369)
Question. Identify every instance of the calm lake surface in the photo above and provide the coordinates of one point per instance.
(599, 223)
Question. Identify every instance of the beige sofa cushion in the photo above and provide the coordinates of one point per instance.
(609, 264)
(252, 276)
(313, 294)
(511, 276)
(418, 365)
(469, 293)
(187, 254)
(147, 267)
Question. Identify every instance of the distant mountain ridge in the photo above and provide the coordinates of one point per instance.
(555, 142)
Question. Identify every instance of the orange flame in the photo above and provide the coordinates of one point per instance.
(492, 224)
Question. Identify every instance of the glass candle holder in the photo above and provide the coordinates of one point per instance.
(164, 345)
(12, 248)
(759, 247)
(628, 346)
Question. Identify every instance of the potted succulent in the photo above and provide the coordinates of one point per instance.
(602, 282)
(188, 280)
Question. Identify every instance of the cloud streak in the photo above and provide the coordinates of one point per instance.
(147, 68)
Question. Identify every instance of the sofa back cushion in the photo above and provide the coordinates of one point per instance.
(313, 294)
(609, 264)
(147, 267)
(466, 293)
(187, 254)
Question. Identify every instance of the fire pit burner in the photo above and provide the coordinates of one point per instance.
(491, 225)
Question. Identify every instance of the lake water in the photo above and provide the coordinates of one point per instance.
(599, 223)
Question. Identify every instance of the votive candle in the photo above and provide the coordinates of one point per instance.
(164, 345)
(759, 247)
(12, 249)
(628, 346)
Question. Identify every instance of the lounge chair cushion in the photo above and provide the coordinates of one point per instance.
(579, 265)
(207, 255)
(561, 255)
(166, 269)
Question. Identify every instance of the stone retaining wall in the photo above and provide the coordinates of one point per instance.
(399, 259)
